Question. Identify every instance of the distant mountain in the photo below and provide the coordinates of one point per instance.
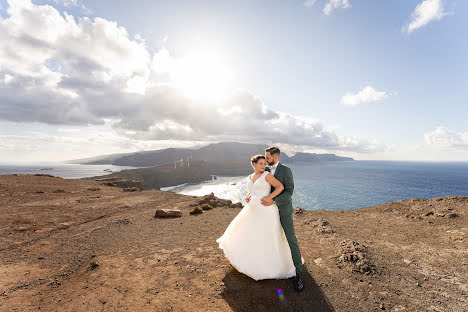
(217, 152)
(153, 158)
(97, 160)
(313, 157)
(226, 158)
(232, 152)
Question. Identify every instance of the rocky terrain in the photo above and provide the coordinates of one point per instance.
(79, 245)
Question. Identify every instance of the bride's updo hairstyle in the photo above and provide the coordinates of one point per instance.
(256, 158)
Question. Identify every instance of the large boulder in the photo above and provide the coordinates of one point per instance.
(216, 202)
(236, 205)
(168, 213)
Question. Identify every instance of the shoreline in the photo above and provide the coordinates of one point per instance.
(332, 186)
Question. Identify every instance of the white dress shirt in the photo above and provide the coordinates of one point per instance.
(273, 168)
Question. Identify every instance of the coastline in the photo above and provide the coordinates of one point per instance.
(170, 188)
(74, 244)
(343, 185)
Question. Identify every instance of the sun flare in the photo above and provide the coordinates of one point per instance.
(203, 74)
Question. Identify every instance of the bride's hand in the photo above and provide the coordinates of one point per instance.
(247, 198)
(267, 201)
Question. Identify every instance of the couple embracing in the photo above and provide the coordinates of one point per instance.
(260, 241)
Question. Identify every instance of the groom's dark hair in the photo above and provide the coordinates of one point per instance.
(273, 150)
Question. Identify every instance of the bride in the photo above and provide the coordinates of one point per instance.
(254, 242)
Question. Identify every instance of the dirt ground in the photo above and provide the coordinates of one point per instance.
(76, 245)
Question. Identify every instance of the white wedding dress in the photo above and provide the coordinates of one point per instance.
(254, 242)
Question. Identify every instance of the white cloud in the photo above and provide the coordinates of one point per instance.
(425, 12)
(243, 117)
(444, 137)
(335, 4)
(60, 70)
(368, 94)
(309, 3)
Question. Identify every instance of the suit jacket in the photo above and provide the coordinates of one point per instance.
(283, 200)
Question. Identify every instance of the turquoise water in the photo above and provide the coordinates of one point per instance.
(354, 184)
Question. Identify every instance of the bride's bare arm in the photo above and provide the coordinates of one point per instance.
(247, 198)
(276, 184)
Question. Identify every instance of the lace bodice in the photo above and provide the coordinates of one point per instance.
(260, 187)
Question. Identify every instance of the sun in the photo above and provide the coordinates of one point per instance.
(203, 74)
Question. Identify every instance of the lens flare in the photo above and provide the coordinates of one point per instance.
(281, 297)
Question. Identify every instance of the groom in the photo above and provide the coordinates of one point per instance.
(284, 203)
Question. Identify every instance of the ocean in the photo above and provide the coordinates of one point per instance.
(340, 185)
(67, 171)
(345, 185)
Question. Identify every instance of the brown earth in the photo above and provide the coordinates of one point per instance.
(76, 245)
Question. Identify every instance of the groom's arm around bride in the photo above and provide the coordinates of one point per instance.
(284, 198)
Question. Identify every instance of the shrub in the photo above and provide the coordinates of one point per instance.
(93, 265)
(206, 207)
(196, 210)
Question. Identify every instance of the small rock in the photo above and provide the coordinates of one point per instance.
(298, 210)
(325, 230)
(323, 227)
(123, 221)
(451, 215)
(321, 222)
(354, 255)
(236, 205)
(93, 265)
(168, 213)
(131, 189)
(319, 262)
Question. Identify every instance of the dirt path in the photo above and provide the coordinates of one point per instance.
(74, 245)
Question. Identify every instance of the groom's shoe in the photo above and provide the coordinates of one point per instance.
(298, 285)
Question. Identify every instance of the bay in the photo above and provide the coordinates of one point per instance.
(348, 185)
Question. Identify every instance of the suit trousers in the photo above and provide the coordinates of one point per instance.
(286, 219)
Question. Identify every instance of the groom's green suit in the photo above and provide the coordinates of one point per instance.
(284, 203)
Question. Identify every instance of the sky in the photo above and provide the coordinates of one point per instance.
(373, 80)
